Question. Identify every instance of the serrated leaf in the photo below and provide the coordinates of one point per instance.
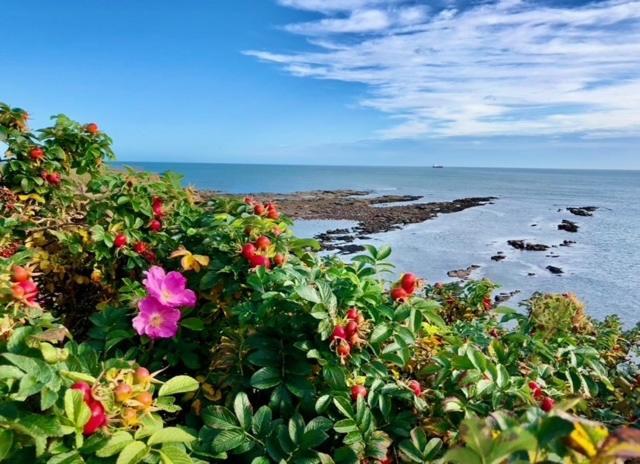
(219, 417)
(243, 410)
(178, 384)
(262, 421)
(115, 444)
(76, 409)
(227, 440)
(133, 453)
(267, 377)
(170, 435)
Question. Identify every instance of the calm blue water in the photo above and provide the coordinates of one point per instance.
(603, 268)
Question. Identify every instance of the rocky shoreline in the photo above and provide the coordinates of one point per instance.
(383, 213)
(373, 214)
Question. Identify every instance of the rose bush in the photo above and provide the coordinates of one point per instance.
(141, 323)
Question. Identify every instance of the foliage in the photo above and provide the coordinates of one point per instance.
(279, 354)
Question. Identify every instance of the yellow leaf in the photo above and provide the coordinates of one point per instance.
(203, 260)
(586, 440)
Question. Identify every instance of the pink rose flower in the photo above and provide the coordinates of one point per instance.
(156, 320)
(169, 289)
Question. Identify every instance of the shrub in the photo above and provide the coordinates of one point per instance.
(140, 323)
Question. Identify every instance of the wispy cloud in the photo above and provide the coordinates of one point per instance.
(507, 67)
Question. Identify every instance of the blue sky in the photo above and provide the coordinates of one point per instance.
(509, 83)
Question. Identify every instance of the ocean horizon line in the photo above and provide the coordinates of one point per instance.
(378, 166)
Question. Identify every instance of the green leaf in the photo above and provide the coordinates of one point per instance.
(309, 293)
(243, 410)
(133, 453)
(192, 323)
(261, 460)
(227, 440)
(262, 421)
(178, 384)
(10, 372)
(323, 403)
(219, 417)
(6, 442)
(71, 457)
(174, 454)
(267, 377)
(462, 456)
(380, 333)
(296, 428)
(115, 444)
(76, 409)
(170, 435)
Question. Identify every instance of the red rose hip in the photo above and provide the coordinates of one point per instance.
(357, 391)
(399, 294)
(248, 250)
(547, 404)
(36, 154)
(155, 225)
(408, 282)
(415, 387)
(97, 420)
(120, 241)
(263, 242)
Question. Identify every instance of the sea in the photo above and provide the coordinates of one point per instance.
(602, 267)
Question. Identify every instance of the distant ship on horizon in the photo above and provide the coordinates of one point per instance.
(437, 166)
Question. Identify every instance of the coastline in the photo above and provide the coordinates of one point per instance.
(372, 213)
(348, 218)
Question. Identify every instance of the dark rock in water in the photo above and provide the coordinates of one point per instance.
(566, 243)
(522, 245)
(393, 199)
(555, 270)
(584, 211)
(337, 231)
(463, 273)
(569, 226)
(505, 296)
(498, 257)
(349, 249)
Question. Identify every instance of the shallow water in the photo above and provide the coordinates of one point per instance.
(603, 267)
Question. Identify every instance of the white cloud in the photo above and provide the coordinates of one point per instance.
(358, 21)
(508, 67)
(332, 5)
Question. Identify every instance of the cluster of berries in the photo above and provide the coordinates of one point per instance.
(269, 210)
(7, 251)
(141, 248)
(405, 288)
(24, 288)
(52, 178)
(8, 199)
(127, 393)
(546, 403)
(347, 336)
(36, 154)
(256, 254)
(131, 394)
(157, 205)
